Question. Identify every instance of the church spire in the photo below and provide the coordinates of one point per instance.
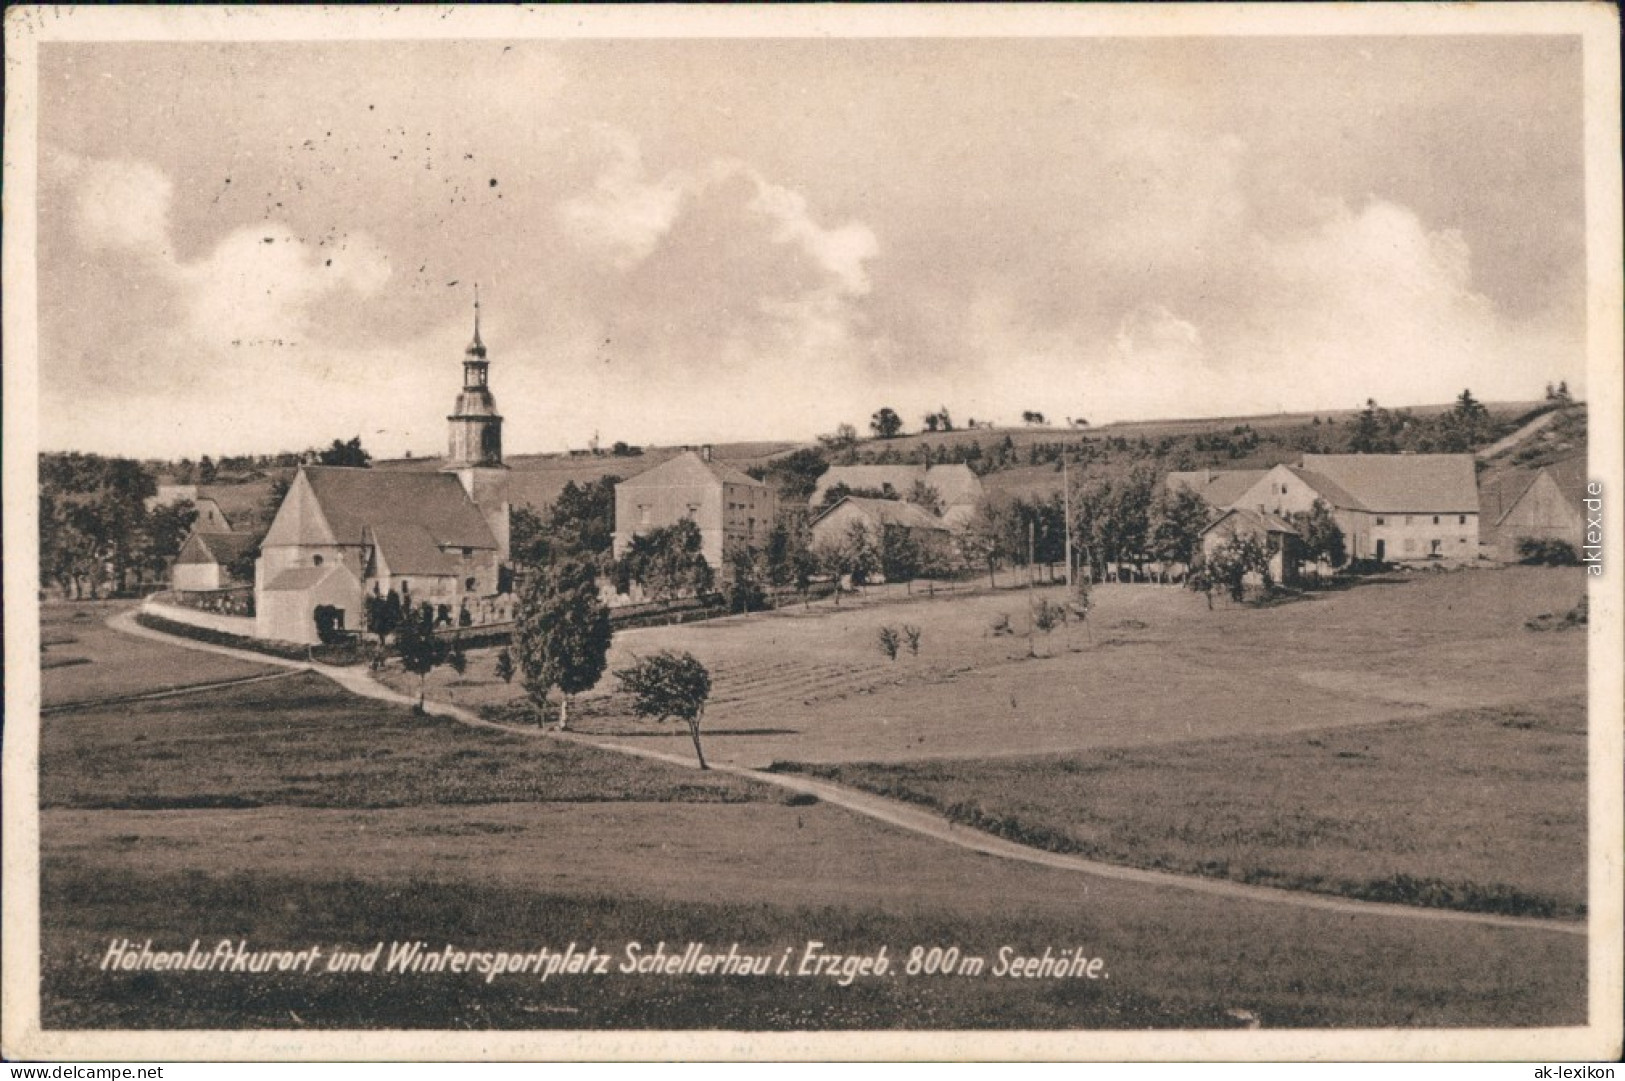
(476, 347)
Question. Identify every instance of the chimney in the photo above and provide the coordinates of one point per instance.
(705, 453)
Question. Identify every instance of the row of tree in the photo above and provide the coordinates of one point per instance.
(96, 532)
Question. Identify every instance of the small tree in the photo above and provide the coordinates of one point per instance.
(886, 424)
(890, 641)
(1083, 599)
(911, 635)
(563, 633)
(420, 651)
(1047, 616)
(505, 669)
(670, 684)
(1231, 562)
(1322, 536)
(384, 615)
(457, 657)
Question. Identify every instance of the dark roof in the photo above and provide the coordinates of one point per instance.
(1264, 520)
(688, 469)
(889, 512)
(410, 549)
(299, 579)
(1423, 483)
(356, 500)
(1219, 487)
(221, 548)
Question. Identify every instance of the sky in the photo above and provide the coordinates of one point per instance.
(253, 247)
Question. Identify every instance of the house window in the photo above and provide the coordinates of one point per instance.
(1461, 519)
(468, 584)
(1382, 521)
(643, 514)
(316, 560)
(1407, 519)
(468, 553)
(1435, 519)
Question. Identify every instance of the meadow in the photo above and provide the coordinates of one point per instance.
(291, 814)
(83, 660)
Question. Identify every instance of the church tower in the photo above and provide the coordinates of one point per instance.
(476, 427)
(475, 450)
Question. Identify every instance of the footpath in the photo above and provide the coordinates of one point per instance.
(891, 812)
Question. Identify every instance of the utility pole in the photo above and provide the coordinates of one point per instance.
(1032, 611)
(1066, 505)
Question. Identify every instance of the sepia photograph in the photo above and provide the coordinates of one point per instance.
(906, 532)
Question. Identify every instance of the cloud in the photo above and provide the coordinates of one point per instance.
(624, 216)
(122, 204)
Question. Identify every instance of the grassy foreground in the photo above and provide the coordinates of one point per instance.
(1482, 810)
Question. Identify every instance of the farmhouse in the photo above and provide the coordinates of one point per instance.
(832, 528)
(210, 517)
(205, 560)
(1274, 534)
(728, 506)
(1391, 507)
(1545, 505)
(957, 488)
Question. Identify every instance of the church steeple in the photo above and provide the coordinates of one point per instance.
(476, 427)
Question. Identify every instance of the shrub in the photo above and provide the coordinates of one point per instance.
(890, 640)
(1547, 551)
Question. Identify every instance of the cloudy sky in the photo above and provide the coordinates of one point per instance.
(252, 247)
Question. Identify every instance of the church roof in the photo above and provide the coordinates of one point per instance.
(355, 501)
(299, 579)
(410, 549)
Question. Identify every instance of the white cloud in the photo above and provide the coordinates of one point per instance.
(123, 204)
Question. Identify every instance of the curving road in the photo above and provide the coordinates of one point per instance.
(892, 812)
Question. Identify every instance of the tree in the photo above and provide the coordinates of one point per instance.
(562, 633)
(900, 554)
(1082, 600)
(668, 562)
(796, 474)
(670, 684)
(744, 584)
(1322, 537)
(844, 436)
(384, 615)
(926, 497)
(890, 641)
(911, 635)
(1230, 563)
(1032, 417)
(1177, 520)
(420, 651)
(505, 669)
(457, 657)
(342, 453)
(886, 424)
(854, 556)
(166, 529)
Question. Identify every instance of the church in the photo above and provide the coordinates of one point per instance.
(438, 538)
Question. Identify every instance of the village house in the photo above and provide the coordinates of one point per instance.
(1395, 508)
(832, 528)
(210, 517)
(728, 506)
(1277, 536)
(205, 560)
(1547, 504)
(957, 488)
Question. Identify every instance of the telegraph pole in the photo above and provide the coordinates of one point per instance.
(1066, 505)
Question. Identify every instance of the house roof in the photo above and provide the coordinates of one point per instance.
(1219, 487)
(1499, 497)
(889, 512)
(1333, 492)
(355, 501)
(1435, 483)
(1263, 520)
(407, 548)
(954, 484)
(688, 470)
(221, 548)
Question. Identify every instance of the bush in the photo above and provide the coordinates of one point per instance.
(1547, 551)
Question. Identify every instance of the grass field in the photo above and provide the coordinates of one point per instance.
(1155, 666)
(1477, 809)
(289, 814)
(83, 660)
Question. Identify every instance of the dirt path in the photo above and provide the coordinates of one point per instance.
(891, 812)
